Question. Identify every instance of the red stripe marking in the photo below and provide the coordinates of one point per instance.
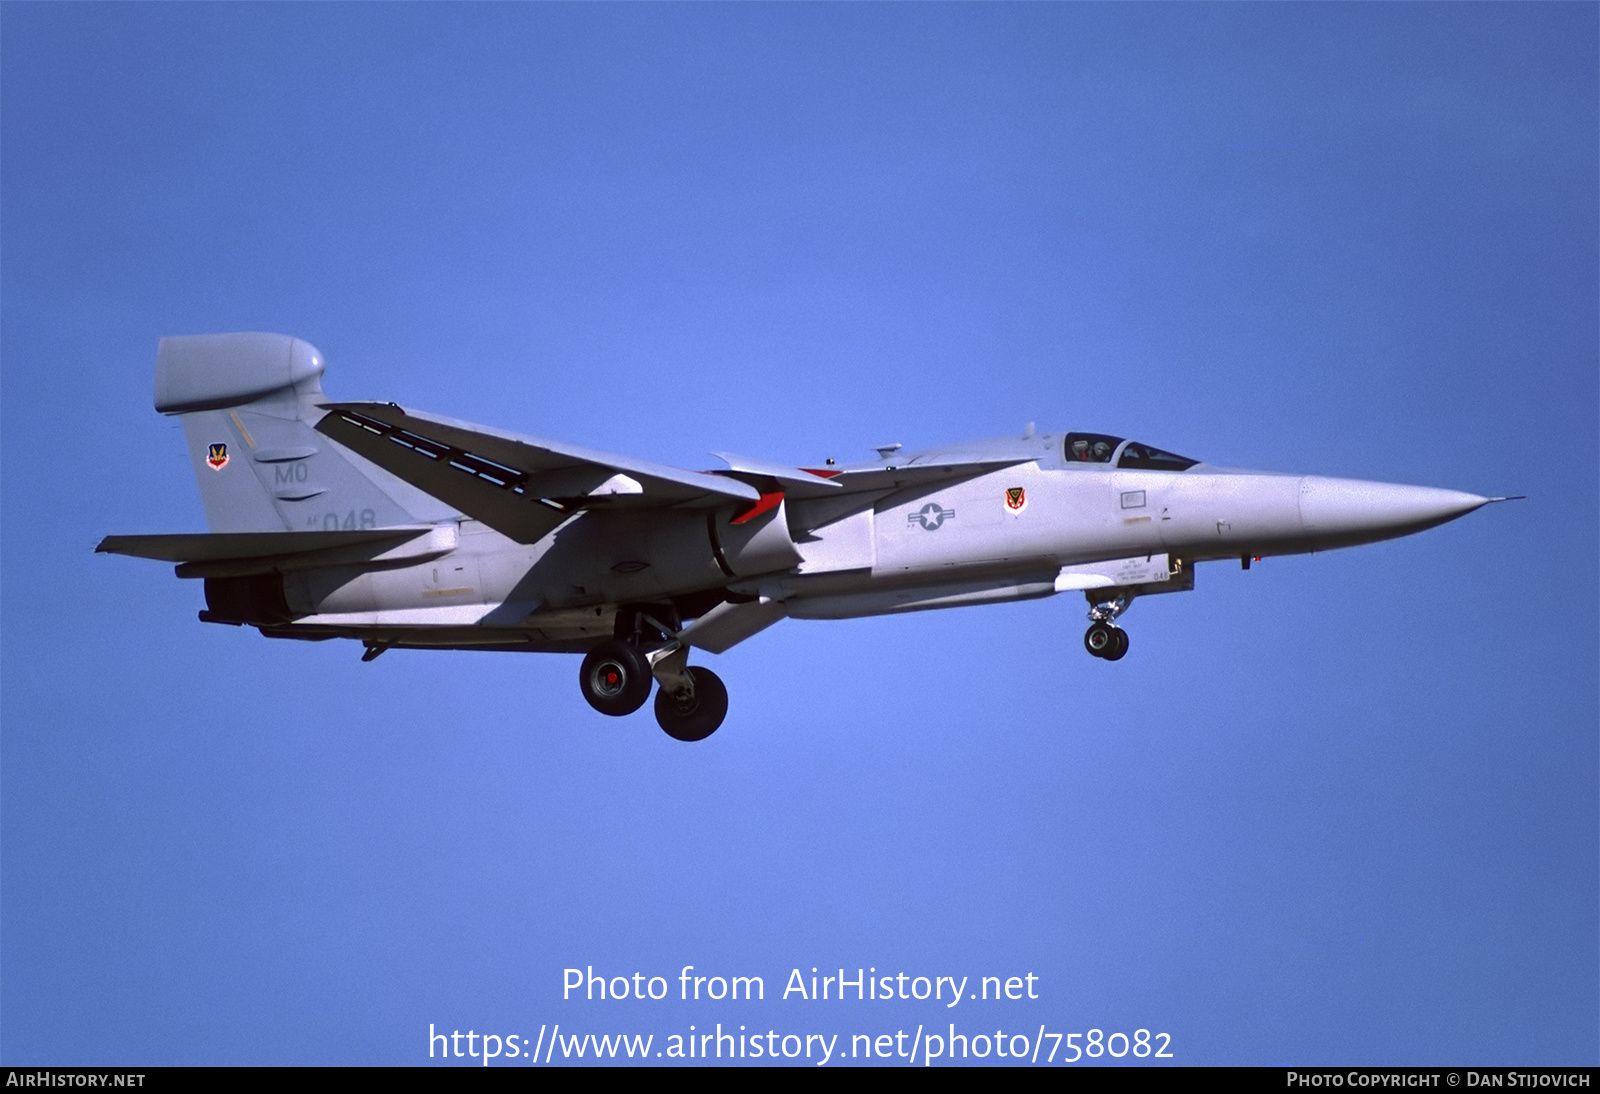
(767, 501)
(821, 474)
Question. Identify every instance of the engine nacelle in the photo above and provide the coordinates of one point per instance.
(756, 541)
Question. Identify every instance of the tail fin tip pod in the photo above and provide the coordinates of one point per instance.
(248, 403)
(213, 371)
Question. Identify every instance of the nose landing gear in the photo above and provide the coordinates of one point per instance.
(1104, 639)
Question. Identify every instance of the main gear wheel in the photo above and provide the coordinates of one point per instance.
(694, 715)
(615, 678)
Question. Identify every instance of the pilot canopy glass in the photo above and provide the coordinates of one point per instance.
(1100, 448)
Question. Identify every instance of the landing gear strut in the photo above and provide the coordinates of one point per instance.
(1104, 639)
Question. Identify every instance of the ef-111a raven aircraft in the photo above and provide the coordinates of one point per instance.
(411, 531)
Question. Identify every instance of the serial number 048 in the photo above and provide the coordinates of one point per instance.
(1096, 1044)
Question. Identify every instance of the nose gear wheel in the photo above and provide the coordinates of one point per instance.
(1106, 641)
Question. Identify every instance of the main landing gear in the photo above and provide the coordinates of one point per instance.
(617, 676)
(693, 714)
(1104, 639)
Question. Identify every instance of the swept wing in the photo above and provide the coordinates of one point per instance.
(523, 487)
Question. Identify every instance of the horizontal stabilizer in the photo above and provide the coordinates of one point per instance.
(231, 546)
(523, 487)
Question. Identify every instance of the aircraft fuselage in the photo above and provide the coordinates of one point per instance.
(1000, 535)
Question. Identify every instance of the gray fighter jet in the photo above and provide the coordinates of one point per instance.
(411, 531)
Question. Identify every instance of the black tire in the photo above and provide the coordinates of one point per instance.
(699, 717)
(1100, 639)
(615, 678)
(1119, 648)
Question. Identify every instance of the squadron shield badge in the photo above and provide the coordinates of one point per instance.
(218, 457)
(1016, 499)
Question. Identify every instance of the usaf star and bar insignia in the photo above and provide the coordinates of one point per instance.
(931, 516)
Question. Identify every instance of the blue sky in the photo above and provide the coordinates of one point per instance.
(1340, 809)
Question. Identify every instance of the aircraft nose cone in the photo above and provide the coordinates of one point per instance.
(1346, 511)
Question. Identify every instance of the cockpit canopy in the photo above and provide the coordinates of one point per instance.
(1100, 448)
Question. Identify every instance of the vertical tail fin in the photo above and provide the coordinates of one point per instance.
(247, 403)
